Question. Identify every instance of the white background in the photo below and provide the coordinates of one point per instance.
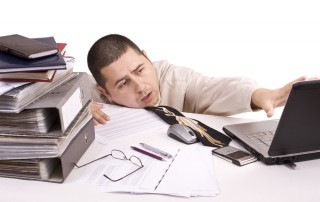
(273, 41)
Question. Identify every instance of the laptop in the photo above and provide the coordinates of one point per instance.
(292, 138)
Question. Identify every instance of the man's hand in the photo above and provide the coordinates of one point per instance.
(268, 100)
(99, 117)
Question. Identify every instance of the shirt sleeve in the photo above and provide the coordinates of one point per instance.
(219, 96)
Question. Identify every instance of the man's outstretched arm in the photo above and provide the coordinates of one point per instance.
(268, 100)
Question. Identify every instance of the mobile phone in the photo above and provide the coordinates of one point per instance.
(234, 155)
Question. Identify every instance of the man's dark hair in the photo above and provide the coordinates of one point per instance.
(105, 51)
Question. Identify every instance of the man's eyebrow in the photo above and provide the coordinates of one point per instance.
(137, 68)
(122, 78)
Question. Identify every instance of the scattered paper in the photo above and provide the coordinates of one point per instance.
(127, 122)
(187, 174)
(7, 86)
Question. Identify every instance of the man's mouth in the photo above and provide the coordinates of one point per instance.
(147, 99)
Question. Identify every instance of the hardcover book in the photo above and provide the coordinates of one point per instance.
(10, 63)
(33, 76)
(25, 47)
(37, 76)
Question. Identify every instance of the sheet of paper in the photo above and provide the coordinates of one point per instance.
(190, 173)
(147, 178)
(7, 86)
(127, 121)
(187, 174)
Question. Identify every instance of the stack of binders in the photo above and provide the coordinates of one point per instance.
(44, 140)
(45, 127)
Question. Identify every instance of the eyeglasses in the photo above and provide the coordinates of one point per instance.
(117, 154)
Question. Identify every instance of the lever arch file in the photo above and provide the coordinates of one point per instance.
(62, 104)
(17, 99)
(21, 146)
(67, 100)
(52, 169)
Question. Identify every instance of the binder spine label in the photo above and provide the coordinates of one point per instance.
(71, 108)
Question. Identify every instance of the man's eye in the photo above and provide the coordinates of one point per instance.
(122, 84)
(140, 70)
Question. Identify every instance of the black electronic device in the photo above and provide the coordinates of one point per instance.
(234, 155)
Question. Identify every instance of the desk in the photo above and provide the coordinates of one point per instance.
(253, 182)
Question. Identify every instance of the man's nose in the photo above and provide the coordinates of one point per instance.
(138, 85)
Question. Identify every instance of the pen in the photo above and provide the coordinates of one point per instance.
(155, 150)
(147, 153)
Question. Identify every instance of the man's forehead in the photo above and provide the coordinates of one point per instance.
(129, 60)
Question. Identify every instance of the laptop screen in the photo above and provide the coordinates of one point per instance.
(299, 127)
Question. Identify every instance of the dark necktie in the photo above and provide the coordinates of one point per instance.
(205, 134)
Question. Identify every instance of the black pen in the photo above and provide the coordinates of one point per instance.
(155, 150)
(147, 153)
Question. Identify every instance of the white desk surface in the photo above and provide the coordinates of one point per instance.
(253, 182)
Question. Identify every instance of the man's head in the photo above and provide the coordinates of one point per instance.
(123, 72)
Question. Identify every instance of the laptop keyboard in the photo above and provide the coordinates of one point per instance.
(263, 138)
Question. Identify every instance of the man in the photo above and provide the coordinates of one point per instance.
(126, 76)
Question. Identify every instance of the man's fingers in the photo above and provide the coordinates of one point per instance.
(99, 116)
(96, 106)
(268, 107)
(95, 123)
(270, 113)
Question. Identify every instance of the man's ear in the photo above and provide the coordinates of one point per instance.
(104, 93)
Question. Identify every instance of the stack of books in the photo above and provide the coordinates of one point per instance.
(32, 76)
(15, 67)
(45, 127)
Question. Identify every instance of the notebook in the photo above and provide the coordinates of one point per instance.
(294, 137)
(26, 48)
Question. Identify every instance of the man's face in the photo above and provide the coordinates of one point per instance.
(131, 81)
